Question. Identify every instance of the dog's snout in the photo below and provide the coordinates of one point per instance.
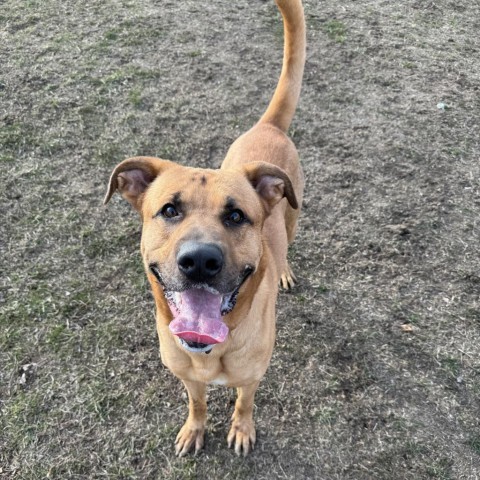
(200, 261)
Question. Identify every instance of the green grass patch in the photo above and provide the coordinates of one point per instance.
(413, 449)
(451, 365)
(16, 137)
(56, 337)
(440, 469)
(108, 155)
(473, 314)
(325, 415)
(474, 444)
(409, 65)
(98, 247)
(135, 97)
(123, 76)
(301, 298)
(336, 30)
(7, 158)
(111, 35)
(129, 33)
(413, 319)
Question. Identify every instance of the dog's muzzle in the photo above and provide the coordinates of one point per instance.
(198, 308)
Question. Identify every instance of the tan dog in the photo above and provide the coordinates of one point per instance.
(214, 245)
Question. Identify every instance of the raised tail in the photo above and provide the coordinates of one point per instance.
(282, 106)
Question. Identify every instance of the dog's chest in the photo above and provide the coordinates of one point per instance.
(219, 380)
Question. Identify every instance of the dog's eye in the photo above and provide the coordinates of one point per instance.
(235, 217)
(169, 211)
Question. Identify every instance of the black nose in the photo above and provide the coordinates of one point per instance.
(199, 261)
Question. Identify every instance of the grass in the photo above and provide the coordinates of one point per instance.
(349, 394)
(135, 97)
(336, 30)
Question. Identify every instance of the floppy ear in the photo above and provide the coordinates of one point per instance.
(133, 176)
(271, 183)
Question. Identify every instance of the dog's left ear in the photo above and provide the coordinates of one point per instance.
(271, 183)
(133, 176)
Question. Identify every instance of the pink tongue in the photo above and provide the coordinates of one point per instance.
(197, 317)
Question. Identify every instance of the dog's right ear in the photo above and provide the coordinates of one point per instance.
(133, 176)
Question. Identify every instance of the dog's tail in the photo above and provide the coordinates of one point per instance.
(282, 107)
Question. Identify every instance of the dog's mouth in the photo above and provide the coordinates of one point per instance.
(198, 311)
(195, 347)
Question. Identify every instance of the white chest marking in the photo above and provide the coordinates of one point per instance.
(220, 380)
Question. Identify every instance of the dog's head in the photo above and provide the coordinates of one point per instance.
(202, 235)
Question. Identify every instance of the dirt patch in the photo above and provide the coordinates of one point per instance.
(376, 372)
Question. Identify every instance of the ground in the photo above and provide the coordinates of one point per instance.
(376, 371)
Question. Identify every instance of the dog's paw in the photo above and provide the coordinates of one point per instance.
(189, 436)
(288, 279)
(242, 436)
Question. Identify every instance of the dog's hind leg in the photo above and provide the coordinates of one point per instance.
(288, 279)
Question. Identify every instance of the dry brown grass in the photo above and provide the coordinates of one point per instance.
(389, 237)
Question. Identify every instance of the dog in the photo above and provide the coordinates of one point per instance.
(214, 246)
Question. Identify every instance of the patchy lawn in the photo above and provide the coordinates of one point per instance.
(376, 372)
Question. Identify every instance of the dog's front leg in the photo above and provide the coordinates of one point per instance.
(242, 433)
(193, 431)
